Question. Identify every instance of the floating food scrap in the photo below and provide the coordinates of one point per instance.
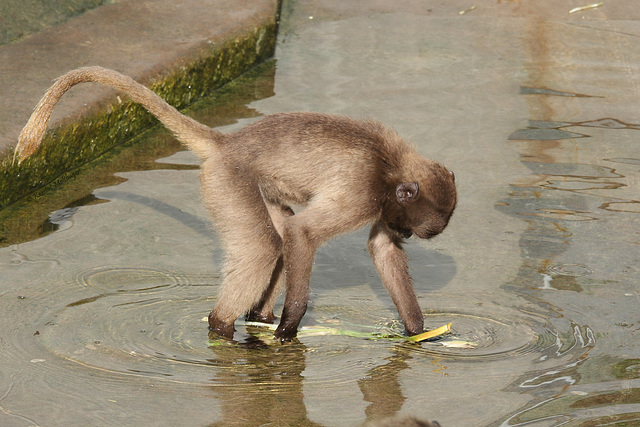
(430, 334)
(458, 344)
(462, 12)
(587, 7)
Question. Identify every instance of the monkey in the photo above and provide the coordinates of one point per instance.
(340, 173)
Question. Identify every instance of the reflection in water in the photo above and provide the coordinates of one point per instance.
(525, 90)
(596, 399)
(571, 198)
(257, 384)
(147, 325)
(542, 130)
(629, 206)
(381, 386)
(572, 347)
(572, 386)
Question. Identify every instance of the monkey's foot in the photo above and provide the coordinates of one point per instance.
(284, 334)
(414, 331)
(224, 329)
(256, 316)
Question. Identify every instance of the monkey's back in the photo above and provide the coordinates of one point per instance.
(296, 157)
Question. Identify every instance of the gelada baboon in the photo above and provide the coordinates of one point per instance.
(344, 173)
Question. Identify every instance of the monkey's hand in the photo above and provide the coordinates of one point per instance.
(284, 334)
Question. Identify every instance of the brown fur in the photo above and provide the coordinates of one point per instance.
(345, 173)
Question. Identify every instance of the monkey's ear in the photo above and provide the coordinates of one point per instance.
(407, 192)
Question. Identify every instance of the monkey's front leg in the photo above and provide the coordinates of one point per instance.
(298, 252)
(391, 262)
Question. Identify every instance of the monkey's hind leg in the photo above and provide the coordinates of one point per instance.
(247, 274)
(303, 234)
(263, 311)
(252, 247)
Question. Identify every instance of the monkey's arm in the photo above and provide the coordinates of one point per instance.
(391, 262)
(302, 234)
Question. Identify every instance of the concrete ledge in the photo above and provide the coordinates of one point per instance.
(181, 49)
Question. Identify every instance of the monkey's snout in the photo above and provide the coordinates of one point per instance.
(431, 230)
(405, 234)
(427, 234)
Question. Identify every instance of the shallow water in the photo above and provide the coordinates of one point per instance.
(103, 320)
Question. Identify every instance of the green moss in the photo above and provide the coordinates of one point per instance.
(70, 147)
(618, 397)
(628, 369)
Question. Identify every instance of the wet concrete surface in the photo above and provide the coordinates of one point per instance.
(535, 110)
(19, 19)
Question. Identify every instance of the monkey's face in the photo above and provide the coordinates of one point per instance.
(425, 205)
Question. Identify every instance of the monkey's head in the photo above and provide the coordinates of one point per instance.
(423, 206)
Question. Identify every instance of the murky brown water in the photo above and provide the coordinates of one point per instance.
(103, 319)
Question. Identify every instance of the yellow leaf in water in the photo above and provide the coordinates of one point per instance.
(430, 334)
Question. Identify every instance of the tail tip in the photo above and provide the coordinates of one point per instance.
(25, 147)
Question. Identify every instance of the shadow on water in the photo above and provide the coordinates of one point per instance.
(351, 250)
(192, 221)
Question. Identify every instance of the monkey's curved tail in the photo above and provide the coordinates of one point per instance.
(196, 136)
